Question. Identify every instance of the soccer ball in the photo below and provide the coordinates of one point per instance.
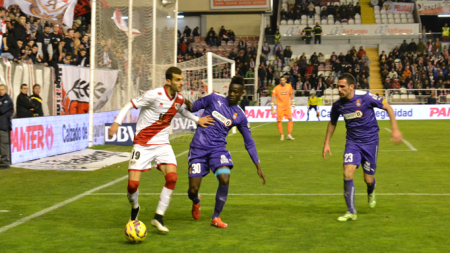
(135, 231)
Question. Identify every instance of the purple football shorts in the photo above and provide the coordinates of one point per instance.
(202, 161)
(364, 154)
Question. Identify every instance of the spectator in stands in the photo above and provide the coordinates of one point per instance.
(270, 74)
(306, 88)
(20, 32)
(361, 52)
(357, 8)
(265, 50)
(412, 47)
(36, 101)
(445, 32)
(244, 102)
(231, 35)
(82, 59)
(187, 31)
(396, 84)
(287, 53)
(268, 31)
(278, 49)
(6, 113)
(283, 15)
(393, 74)
(432, 99)
(262, 74)
(311, 9)
(403, 47)
(337, 68)
(277, 37)
(196, 32)
(278, 64)
(437, 47)
(25, 108)
(211, 37)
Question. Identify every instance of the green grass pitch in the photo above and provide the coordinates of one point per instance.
(295, 212)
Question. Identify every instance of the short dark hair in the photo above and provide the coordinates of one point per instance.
(348, 77)
(24, 84)
(36, 85)
(237, 80)
(172, 70)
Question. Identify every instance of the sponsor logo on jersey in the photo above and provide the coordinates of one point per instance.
(221, 118)
(235, 115)
(354, 115)
(177, 106)
(223, 159)
(220, 103)
(358, 103)
(284, 93)
(161, 105)
(160, 93)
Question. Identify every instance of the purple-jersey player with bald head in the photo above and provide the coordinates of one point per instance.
(208, 147)
(362, 137)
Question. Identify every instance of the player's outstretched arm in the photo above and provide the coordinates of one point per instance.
(396, 136)
(123, 112)
(260, 173)
(326, 146)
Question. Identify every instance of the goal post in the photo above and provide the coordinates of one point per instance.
(202, 76)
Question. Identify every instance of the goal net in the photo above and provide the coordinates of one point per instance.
(141, 54)
(202, 76)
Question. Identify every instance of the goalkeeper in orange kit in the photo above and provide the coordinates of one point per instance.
(284, 96)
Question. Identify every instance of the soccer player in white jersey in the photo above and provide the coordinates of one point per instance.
(151, 141)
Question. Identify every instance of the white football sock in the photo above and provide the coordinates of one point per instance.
(164, 201)
(133, 199)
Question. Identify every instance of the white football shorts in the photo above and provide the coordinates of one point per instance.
(141, 157)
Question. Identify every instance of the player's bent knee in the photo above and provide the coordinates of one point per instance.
(132, 186)
(223, 175)
(171, 180)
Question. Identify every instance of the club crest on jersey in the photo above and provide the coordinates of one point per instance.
(160, 93)
(235, 115)
(354, 115)
(358, 103)
(141, 97)
(161, 105)
(221, 118)
(177, 106)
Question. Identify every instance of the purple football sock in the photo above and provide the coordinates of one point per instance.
(371, 188)
(349, 194)
(221, 198)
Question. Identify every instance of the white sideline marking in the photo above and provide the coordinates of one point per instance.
(405, 141)
(23, 220)
(4, 211)
(286, 194)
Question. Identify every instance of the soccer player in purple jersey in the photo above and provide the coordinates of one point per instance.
(362, 137)
(208, 147)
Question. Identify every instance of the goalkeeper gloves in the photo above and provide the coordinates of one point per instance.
(293, 103)
(273, 107)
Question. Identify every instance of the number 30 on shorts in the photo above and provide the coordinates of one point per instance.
(195, 168)
(348, 158)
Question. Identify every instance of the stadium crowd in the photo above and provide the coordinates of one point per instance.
(326, 10)
(417, 66)
(31, 40)
(316, 71)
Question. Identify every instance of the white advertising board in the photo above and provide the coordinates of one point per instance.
(402, 112)
(385, 29)
(33, 138)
